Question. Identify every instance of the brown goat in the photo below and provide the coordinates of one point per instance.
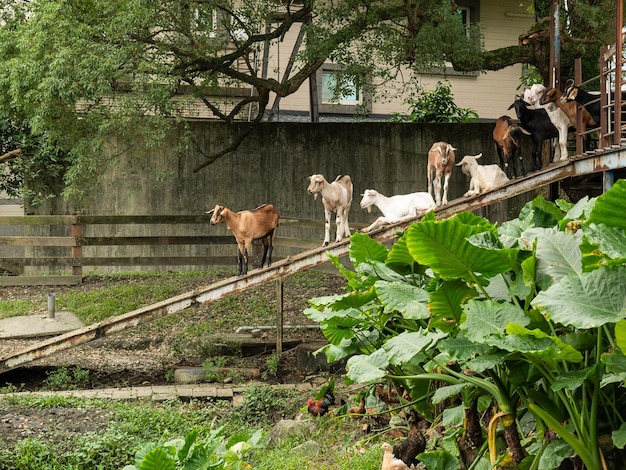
(247, 226)
(507, 135)
(440, 165)
(570, 108)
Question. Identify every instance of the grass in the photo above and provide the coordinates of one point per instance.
(338, 443)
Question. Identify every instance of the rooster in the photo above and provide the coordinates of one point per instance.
(323, 400)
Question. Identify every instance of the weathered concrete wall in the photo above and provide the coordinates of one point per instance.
(272, 165)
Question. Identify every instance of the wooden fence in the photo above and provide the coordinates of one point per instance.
(75, 226)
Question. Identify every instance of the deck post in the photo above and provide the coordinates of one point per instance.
(280, 294)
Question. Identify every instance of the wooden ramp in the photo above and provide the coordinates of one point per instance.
(602, 161)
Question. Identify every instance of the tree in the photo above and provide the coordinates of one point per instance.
(77, 72)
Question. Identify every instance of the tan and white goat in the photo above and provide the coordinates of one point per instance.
(336, 198)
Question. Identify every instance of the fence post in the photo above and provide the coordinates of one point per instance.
(76, 231)
(280, 290)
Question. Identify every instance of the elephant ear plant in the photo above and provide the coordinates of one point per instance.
(523, 321)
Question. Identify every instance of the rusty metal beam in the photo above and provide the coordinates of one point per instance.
(600, 161)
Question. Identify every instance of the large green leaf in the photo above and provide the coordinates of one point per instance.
(461, 349)
(363, 249)
(610, 208)
(487, 318)
(573, 379)
(558, 254)
(586, 301)
(556, 349)
(157, 459)
(446, 304)
(620, 334)
(405, 346)
(610, 240)
(367, 368)
(339, 329)
(443, 245)
(409, 300)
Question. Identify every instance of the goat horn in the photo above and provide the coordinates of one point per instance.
(210, 212)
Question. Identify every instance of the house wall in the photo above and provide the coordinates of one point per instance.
(489, 94)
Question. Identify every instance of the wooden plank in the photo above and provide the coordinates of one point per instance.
(40, 280)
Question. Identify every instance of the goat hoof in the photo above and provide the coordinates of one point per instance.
(325, 244)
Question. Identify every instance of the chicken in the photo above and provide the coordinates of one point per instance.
(319, 406)
(414, 443)
(389, 461)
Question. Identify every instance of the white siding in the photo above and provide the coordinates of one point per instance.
(489, 94)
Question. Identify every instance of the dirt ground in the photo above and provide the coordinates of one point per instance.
(144, 354)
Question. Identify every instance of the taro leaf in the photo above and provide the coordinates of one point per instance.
(610, 240)
(335, 353)
(539, 344)
(446, 303)
(554, 454)
(615, 362)
(329, 314)
(611, 207)
(486, 361)
(581, 209)
(409, 300)
(620, 334)
(573, 379)
(511, 230)
(158, 459)
(443, 246)
(344, 301)
(404, 347)
(399, 256)
(461, 349)
(487, 318)
(364, 249)
(558, 254)
(367, 368)
(378, 270)
(439, 460)
(586, 301)
(545, 213)
(340, 328)
(443, 393)
(619, 436)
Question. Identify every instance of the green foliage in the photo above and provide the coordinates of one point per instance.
(263, 404)
(514, 313)
(436, 106)
(65, 378)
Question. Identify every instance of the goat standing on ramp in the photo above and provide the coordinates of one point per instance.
(440, 166)
(396, 208)
(247, 226)
(336, 198)
(483, 178)
(507, 135)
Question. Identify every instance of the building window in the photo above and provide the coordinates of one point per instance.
(348, 94)
(347, 97)
(465, 15)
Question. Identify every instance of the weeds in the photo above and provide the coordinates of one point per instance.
(65, 378)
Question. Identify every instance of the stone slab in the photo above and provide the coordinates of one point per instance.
(33, 326)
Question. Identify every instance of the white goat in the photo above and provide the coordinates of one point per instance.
(248, 226)
(396, 208)
(560, 120)
(440, 164)
(482, 177)
(336, 198)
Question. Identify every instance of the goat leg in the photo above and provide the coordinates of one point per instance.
(239, 262)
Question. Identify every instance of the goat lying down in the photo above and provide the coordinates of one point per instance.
(247, 226)
(483, 178)
(336, 198)
(396, 208)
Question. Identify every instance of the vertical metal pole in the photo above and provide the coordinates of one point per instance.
(280, 290)
(608, 179)
(619, 37)
(51, 314)
(555, 44)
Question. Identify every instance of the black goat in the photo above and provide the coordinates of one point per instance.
(537, 122)
(590, 101)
